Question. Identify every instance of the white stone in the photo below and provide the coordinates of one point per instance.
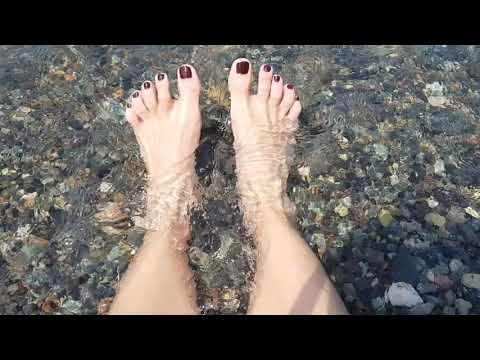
(432, 203)
(471, 280)
(105, 187)
(438, 101)
(472, 212)
(402, 294)
(304, 171)
(439, 167)
(347, 201)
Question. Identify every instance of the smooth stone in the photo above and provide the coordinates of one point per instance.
(385, 217)
(463, 307)
(403, 294)
(435, 219)
(405, 268)
(455, 265)
(471, 280)
(448, 310)
(450, 298)
(422, 309)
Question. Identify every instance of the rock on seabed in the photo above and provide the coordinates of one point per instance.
(402, 294)
(471, 280)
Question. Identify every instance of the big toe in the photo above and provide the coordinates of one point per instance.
(240, 78)
(188, 83)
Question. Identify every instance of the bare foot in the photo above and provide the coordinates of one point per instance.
(263, 126)
(168, 132)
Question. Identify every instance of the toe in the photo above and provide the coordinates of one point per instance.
(294, 113)
(163, 89)
(149, 95)
(188, 82)
(240, 77)
(132, 118)
(287, 101)
(138, 107)
(265, 81)
(276, 92)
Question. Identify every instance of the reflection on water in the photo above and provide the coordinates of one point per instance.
(385, 175)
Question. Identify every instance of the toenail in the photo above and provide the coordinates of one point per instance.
(242, 67)
(146, 84)
(160, 77)
(267, 68)
(129, 105)
(290, 86)
(135, 94)
(276, 78)
(297, 98)
(185, 72)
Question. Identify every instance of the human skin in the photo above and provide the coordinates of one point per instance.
(289, 278)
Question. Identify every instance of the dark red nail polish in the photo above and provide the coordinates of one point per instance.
(160, 77)
(297, 98)
(146, 85)
(276, 78)
(129, 105)
(242, 67)
(290, 86)
(185, 72)
(135, 94)
(267, 68)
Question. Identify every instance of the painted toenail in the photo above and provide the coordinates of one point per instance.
(267, 68)
(185, 72)
(290, 86)
(242, 67)
(129, 105)
(146, 84)
(276, 78)
(297, 98)
(160, 77)
(135, 94)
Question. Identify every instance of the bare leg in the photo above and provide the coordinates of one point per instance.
(289, 278)
(159, 280)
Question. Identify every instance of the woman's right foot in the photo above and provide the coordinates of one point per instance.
(263, 126)
(168, 132)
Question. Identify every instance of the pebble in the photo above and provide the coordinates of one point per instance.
(375, 257)
(105, 187)
(381, 151)
(455, 265)
(319, 240)
(428, 288)
(432, 203)
(448, 310)
(341, 210)
(450, 297)
(443, 281)
(404, 268)
(349, 291)
(385, 217)
(378, 304)
(422, 309)
(471, 280)
(456, 215)
(403, 294)
(435, 219)
(472, 212)
(463, 307)
(468, 234)
(439, 167)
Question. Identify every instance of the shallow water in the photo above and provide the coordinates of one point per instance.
(385, 175)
